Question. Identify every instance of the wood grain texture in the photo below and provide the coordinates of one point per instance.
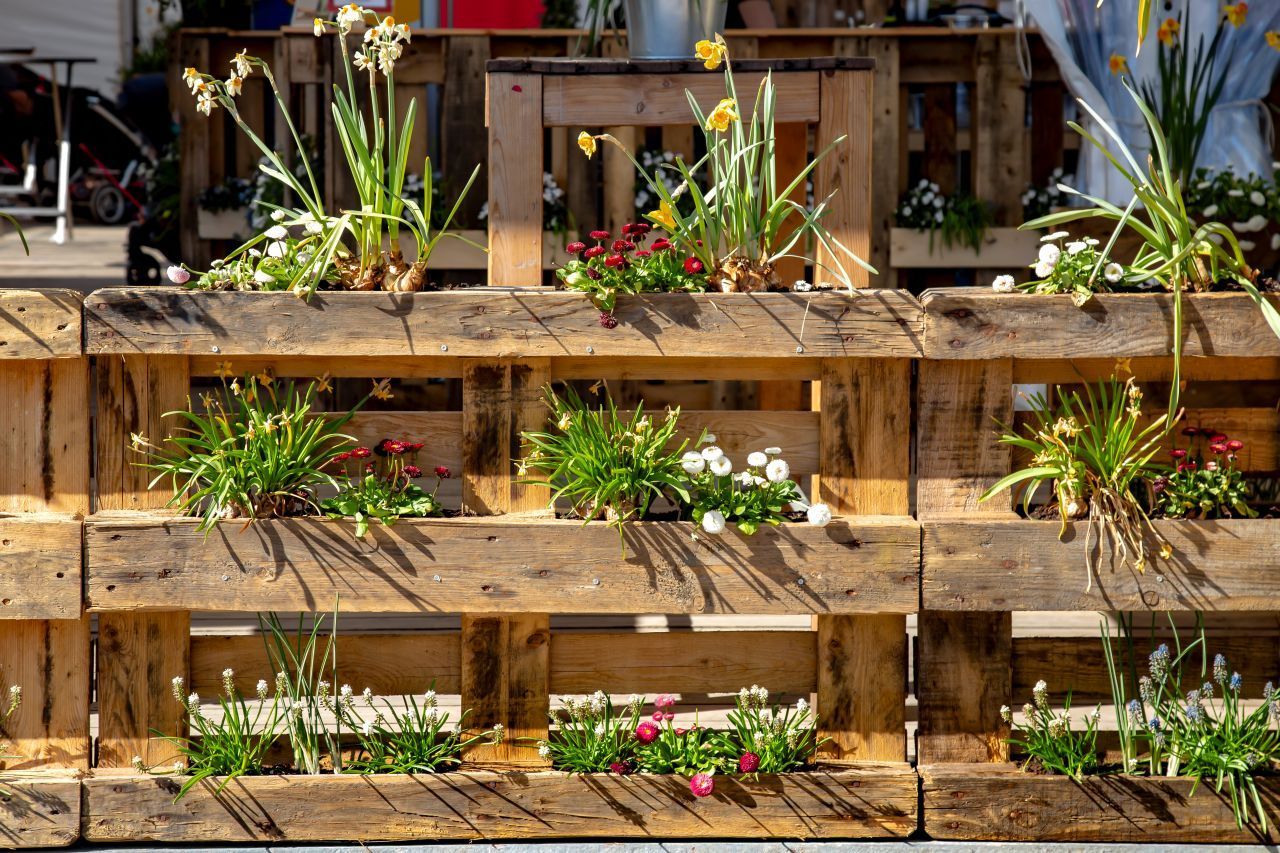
(463, 139)
(976, 323)
(510, 564)
(878, 801)
(888, 127)
(40, 324)
(593, 68)
(964, 677)
(139, 655)
(40, 563)
(967, 802)
(39, 810)
(844, 104)
(44, 449)
(505, 664)
(616, 662)
(49, 660)
(998, 133)
(513, 105)
(504, 324)
(652, 101)
(1001, 247)
(991, 564)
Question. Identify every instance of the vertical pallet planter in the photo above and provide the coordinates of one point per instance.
(44, 639)
(982, 562)
(508, 566)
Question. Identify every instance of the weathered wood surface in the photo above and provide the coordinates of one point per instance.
(49, 659)
(39, 567)
(878, 801)
(503, 324)
(39, 324)
(39, 809)
(517, 563)
(910, 248)
(997, 565)
(653, 101)
(616, 662)
(981, 802)
(977, 323)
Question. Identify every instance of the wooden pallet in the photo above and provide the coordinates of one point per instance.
(971, 802)
(44, 489)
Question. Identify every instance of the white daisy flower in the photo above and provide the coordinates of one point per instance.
(756, 459)
(713, 522)
(1003, 284)
(777, 471)
(819, 515)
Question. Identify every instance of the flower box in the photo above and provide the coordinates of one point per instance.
(39, 809)
(875, 801)
(988, 802)
(977, 323)
(502, 323)
(1002, 248)
(39, 566)
(508, 563)
(1016, 564)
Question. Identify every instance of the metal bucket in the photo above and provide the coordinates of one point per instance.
(668, 29)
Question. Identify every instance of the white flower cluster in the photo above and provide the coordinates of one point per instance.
(765, 468)
(659, 166)
(1038, 201)
(921, 206)
(754, 697)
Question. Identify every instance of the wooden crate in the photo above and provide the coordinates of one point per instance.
(485, 805)
(504, 572)
(987, 802)
(44, 638)
(981, 562)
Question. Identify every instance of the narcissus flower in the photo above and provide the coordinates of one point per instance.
(712, 53)
(1118, 64)
(1273, 39)
(1168, 32)
(587, 143)
(317, 26)
(725, 113)
(1236, 13)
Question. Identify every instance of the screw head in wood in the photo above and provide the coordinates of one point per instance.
(444, 348)
(436, 578)
(799, 350)
(595, 581)
(215, 348)
(591, 350)
(799, 581)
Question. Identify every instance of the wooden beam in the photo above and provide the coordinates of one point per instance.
(505, 666)
(604, 100)
(515, 179)
(39, 324)
(846, 171)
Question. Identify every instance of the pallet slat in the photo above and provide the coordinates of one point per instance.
(517, 563)
(39, 809)
(879, 801)
(1005, 565)
(39, 567)
(504, 324)
(39, 324)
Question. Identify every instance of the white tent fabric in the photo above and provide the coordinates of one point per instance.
(1083, 36)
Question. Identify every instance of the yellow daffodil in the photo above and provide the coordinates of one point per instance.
(138, 440)
(323, 385)
(1273, 39)
(382, 389)
(587, 143)
(712, 53)
(664, 216)
(317, 26)
(725, 113)
(1118, 64)
(265, 378)
(1168, 32)
(1236, 13)
(223, 370)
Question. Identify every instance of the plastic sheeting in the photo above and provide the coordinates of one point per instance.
(1082, 37)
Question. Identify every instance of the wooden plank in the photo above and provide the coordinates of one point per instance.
(39, 567)
(1077, 664)
(601, 100)
(791, 155)
(486, 437)
(963, 671)
(463, 138)
(45, 454)
(865, 410)
(975, 323)
(39, 810)
(138, 653)
(510, 564)
(991, 564)
(616, 662)
(940, 135)
(515, 179)
(476, 323)
(1001, 248)
(888, 130)
(845, 103)
(619, 179)
(865, 802)
(966, 802)
(1150, 369)
(38, 324)
(1000, 171)
(504, 680)
(49, 660)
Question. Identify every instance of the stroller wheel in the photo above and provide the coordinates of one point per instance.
(108, 205)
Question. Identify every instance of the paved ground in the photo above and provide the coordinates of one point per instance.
(93, 258)
(716, 847)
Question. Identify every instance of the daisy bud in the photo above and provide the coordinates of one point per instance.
(177, 275)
